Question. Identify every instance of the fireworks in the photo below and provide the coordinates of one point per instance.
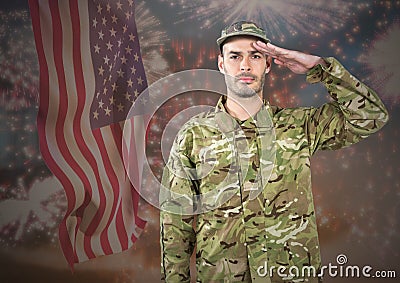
(279, 18)
(37, 210)
(384, 63)
(152, 43)
(18, 66)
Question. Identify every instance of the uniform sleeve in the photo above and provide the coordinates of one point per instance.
(177, 234)
(355, 112)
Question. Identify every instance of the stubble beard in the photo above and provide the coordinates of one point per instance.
(242, 90)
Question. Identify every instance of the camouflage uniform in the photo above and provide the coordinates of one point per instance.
(277, 227)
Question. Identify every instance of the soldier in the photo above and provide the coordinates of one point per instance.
(238, 178)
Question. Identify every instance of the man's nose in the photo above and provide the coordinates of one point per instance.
(245, 65)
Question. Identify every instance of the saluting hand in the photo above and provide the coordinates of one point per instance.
(297, 62)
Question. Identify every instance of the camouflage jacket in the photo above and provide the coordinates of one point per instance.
(239, 193)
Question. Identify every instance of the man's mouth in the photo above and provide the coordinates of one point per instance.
(246, 80)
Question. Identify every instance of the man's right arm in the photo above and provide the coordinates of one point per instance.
(177, 236)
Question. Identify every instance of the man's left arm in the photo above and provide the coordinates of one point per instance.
(359, 110)
(356, 111)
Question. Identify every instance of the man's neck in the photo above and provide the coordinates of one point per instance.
(243, 108)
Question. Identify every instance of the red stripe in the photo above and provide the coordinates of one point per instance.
(133, 168)
(105, 243)
(120, 225)
(65, 241)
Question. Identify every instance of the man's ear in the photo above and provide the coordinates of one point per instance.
(269, 64)
(221, 63)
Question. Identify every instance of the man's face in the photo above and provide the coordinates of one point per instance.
(244, 67)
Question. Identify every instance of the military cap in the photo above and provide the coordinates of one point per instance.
(242, 28)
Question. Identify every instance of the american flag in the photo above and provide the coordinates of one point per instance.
(91, 73)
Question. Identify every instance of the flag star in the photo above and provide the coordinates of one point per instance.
(127, 96)
(95, 22)
(101, 34)
(114, 87)
(131, 37)
(136, 57)
(101, 104)
(106, 60)
(130, 3)
(128, 49)
(96, 115)
(119, 43)
(109, 46)
(120, 73)
(136, 92)
(97, 48)
(97, 94)
(128, 15)
(110, 69)
(108, 7)
(104, 21)
(107, 111)
(99, 8)
(140, 80)
(105, 90)
(113, 32)
(120, 107)
(129, 82)
(123, 60)
(101, 70)
(143, 100)
(119, 5)
(125, 28)
(114, 19)
(112, 100)
(133, 70)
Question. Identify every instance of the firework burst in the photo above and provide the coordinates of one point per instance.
(37, 211)
(152, 43)
(383, 63)
(18, 66)
(279, 18)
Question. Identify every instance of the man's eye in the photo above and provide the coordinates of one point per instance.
(256, 56)
(234, 57)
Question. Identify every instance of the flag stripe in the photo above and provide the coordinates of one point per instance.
(137, 152)
(114, 183)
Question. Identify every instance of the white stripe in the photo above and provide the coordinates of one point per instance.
(140, 140)
(126, 201)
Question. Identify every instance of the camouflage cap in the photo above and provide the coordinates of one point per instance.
(242, 28)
